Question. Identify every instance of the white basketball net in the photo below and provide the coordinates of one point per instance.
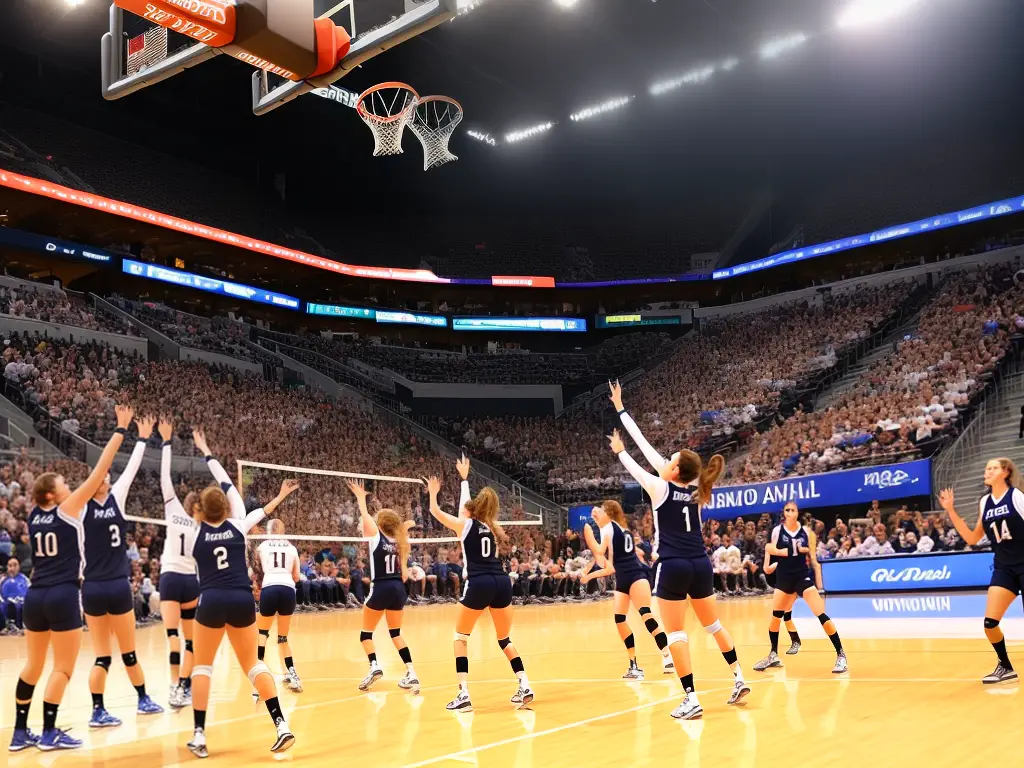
(387, 111)
(434, 120)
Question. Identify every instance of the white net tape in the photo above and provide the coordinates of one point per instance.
(387, 111)
(434, 122)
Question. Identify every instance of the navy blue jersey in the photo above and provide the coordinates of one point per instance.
(1003, 523)
(57, 547)
(106, 556)
(623, 551)
(480, 549)
(791, 541)
(384, 564)
(677, 523)
(219, 553)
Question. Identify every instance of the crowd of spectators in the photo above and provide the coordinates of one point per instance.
(55, 306)
(911, 397)
(712, 391)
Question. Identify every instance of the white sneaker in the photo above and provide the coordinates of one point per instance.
(739, 692)
(460, 703)
(198, 744)
(175, 697)
(409, 683)
(372, 677)
(633, 673)
(769, 661)
(688, 709)
(523, 696)
(292, 681)
(840, 666)
(285, 738)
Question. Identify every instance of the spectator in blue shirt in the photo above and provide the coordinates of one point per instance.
(13, 589)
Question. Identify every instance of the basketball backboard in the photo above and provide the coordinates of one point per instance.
(375, 26)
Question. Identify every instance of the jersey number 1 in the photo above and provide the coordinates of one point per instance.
(276, 565)
(390, 563)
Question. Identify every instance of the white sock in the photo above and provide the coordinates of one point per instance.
(737, 671)
(410, 670)
(523, 681)
(464, 688)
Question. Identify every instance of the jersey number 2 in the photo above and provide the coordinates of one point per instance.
(1000, 534)
(221, 553)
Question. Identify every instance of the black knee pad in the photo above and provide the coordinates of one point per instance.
(395, 632)
(629, 640)
(730, 656)
(462, 664)
(620, 618)
(991, 623)
(282, 639)
(188, 613)
(175, 658)
(104, 661)
(172, 633)
(644, 611)
(188, 646)
(265, 633)
(504, 643)
(24, 691)
(778, 614)
(651, 624)
(517, 664)
(129, 659)
(824, 619)
(364, 636)
(787, 616)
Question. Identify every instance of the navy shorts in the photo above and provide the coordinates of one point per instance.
(277, 599)
(53, 609)
(1009, 577)
(487, 590)
(178, 587)
(680, 577)
(218, 607)
(111, 597)
(626, 579)
(386, 595)
(793, 584)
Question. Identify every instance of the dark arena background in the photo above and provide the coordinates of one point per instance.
(792, 231)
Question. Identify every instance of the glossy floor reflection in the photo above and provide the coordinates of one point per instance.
(903, 692)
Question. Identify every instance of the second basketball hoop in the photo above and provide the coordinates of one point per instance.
(387, 108)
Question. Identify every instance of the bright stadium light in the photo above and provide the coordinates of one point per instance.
(485, 138)
(566, 3)
(863, 13)
(599, 109)
(776, 47)
(689, 78)
(74, 3)
(528, 133)
(730, 64)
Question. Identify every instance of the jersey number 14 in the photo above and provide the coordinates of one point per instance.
(1000, 533)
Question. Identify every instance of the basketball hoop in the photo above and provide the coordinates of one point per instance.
(434, 120)
(387, 108)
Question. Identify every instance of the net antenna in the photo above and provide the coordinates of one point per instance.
(387, 109)
(434, 120)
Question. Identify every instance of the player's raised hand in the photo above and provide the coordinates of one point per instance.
(615, 442)
(166, 429)
(463, 466)
(616, 394)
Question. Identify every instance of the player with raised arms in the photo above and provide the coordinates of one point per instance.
(790, 546)
(225, 597)
(486, 585)
(1001, 518)
(52, 610)
(106, 590)
(389, 553)
(616, 554)
(683, 571)
(278, 562)
(179, 585)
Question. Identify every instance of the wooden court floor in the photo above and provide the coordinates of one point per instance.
(905, 701)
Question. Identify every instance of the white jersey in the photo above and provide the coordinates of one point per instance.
(278, 558)
(181, 529)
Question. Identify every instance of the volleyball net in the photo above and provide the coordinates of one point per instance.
(324, 513)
